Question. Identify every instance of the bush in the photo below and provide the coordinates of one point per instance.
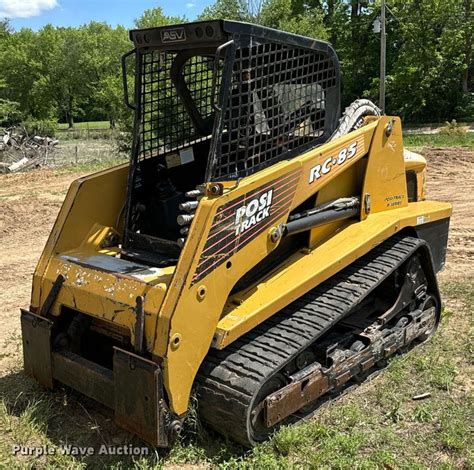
(44, 128)
(453, 128)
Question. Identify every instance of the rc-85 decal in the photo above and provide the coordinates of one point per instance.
(344, 155)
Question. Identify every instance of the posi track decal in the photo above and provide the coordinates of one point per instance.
(253, 212)
(241, 220)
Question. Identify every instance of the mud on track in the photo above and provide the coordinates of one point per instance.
(29, 204)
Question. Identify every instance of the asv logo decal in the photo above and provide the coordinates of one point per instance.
(173, 35)
(320, 170)
(253, 212)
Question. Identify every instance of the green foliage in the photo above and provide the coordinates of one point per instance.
(429, 48)
(465, 108)
(10, 113)
(43, 127)
(236, 10)
(5, 28)
(395, 414)
(105, 47)
(71, 74)
(423, 414)
(154, 17)
(64, 73)
(280, 14)
(428, 61)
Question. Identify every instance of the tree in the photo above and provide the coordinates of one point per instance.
(467, 73)
(20, 69)
(64, 75)
(236, 10)
(294, 18)
(431, 76)
(5, 28)
(103, 49)
(74, 73)
(154, 17)
(10, 113)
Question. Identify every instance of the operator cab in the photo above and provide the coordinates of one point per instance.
(216, 101)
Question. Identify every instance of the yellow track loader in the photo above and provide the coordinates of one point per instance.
(260, 250)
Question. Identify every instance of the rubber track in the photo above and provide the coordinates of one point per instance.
(229, 380)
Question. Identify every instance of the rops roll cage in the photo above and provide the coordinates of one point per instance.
(258, 94)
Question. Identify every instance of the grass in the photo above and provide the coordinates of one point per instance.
(91, 166)
(378, 425)
(87, 125)
(439, 140)
(92, 130)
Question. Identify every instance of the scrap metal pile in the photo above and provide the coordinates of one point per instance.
(20, 151)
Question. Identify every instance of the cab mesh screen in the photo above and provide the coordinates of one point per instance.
(166, 123)
(275, 107)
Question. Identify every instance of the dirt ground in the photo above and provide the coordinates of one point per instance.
(29, 203)
(451, 178)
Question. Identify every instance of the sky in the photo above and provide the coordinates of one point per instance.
(37, 13)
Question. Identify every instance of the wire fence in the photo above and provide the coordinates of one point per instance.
(70, 152)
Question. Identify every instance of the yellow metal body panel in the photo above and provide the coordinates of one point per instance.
(385, 180)
(93, 281)
(92, 286)
(345, 184)
(417, 163)
(95, 199)
(187, 307)
(302, 271)
(184, 302)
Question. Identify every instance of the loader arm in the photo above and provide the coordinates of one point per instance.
(218, 258)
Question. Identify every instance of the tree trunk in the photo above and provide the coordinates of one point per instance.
(69, 113)
(70, 120)
(354, 10)
(330, 10)
(329, 20)
(354, 19)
